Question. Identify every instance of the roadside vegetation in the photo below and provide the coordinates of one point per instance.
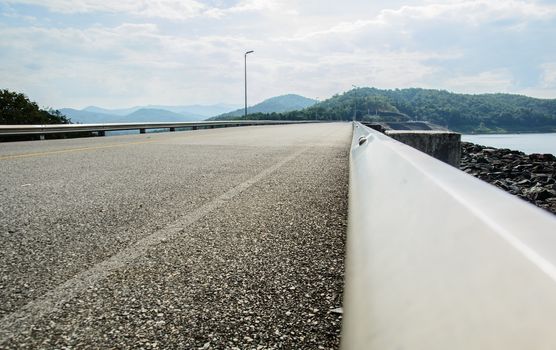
(16, 108)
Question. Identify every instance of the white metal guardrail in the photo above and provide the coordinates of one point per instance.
(437, 259)
(69, 128)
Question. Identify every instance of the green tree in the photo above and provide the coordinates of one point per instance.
(16, 108)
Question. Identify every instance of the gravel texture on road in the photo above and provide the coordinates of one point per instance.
(211, 239)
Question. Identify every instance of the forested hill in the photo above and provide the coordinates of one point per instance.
(278, 104)
(460, 112)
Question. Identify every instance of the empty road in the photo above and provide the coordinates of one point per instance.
(212, 239)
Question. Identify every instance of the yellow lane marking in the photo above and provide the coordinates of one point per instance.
(68, 150)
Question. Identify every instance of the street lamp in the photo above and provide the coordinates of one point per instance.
(245, 61)
(355, 109)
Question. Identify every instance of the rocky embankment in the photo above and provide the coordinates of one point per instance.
(531, 177)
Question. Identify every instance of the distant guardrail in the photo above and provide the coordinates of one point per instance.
(437, 259)
(142, 127)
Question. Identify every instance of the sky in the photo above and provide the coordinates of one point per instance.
(121, 53)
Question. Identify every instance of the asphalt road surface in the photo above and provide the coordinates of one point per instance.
(212, 239)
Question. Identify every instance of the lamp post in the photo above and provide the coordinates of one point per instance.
(316, 110)
(355, 109)
(245, 62)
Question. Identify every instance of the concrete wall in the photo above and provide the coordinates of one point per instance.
(443, 145)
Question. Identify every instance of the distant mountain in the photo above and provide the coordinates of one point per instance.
(202, 110)
(162, 115)
(278, 104)
(89, 116)
(190, 110)
(120, 111)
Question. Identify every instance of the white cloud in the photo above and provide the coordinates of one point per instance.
(140, 55)
(549, 75)
(270, 6)
(471, 11)
(166, 9)
(170, 9)
(130, 62)
(468, 12)
(337, 29)
(453, 45)
(499, 80)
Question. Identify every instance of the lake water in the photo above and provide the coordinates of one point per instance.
(528, 143)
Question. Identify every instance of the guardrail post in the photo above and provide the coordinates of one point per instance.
(101, 133)
(194, 127)
(41, 137)
(142, 131)
(172, 129)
